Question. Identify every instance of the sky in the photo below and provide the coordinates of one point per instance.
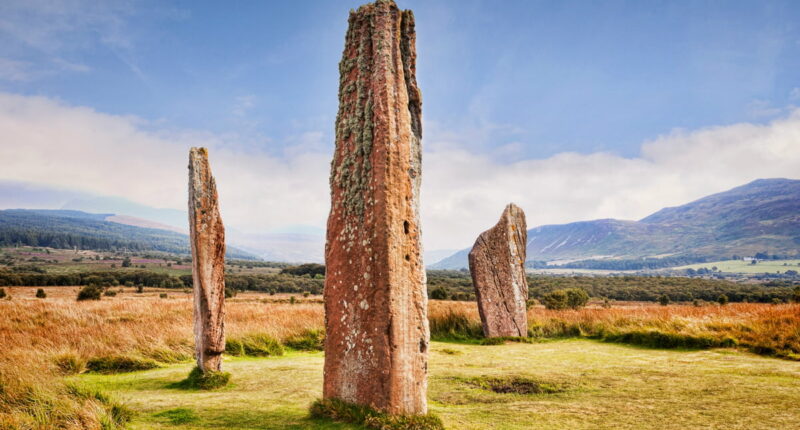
(574, 110)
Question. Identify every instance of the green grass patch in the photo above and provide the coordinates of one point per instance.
(120, 364)
(309, 340)
(341, 411)
(659, 339)
(516, 385)
(197, 380)
(70, 364)
(254, 345)
(178, 416)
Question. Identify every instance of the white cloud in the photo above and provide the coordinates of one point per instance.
(44, 141)
(47, 142)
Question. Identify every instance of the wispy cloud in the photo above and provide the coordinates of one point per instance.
(463, 191)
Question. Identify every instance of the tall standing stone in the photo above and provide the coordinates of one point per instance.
(377, 333)
(497, 265)
(208, 262)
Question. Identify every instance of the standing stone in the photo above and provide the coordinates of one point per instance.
(497, 265)
(208, 262)
(376, 321)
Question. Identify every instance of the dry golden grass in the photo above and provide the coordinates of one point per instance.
(35, 334)
(762, 328)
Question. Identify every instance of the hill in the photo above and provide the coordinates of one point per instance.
(762, 216)
(67, 229)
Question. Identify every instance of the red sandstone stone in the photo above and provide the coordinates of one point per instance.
(208, 262)
(377, 334)
(497, 265)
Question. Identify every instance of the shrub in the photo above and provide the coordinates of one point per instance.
(120, 364)
(663, 300)
(309, 340)
(139, 289)
(439, 293)
(2, 293)
(40, 294)
(795, 295)
(577, 298)
(338, 410)
(555, 300)
(198, 380)
(722, 299)
(230, 293)
(110, 293)
(163, 295)
(90, 292)
(257, 345)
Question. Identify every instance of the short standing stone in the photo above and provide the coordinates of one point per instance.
(208, 262)
(377, 332)
(497, 265)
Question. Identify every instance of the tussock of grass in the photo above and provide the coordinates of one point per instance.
(255, 345)
(178, 416)
(341, 411)
(657, 339)
(120, 364)
(308, 340)
(454, 325)
(197, 380)
(112, 414)
(70, 364)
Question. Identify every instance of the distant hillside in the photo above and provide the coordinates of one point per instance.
(66, 229)
(762, 216)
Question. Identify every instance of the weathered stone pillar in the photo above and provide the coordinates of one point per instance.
(497, 265)
(377, 334)
(208, 262)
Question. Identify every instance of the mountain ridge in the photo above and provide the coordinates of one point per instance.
(763, 215)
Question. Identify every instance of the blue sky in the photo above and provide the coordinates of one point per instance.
(573, 109)
(543, 76)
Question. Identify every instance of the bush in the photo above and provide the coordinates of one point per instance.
(120, 363)
(439, 293)
(110, 293)
(256, 345)
(90, 292)
(338, 410)
(577, 298)
(139, 289)
(722, 299)
(663, 300)
(163, 295)
(2, 293)
(555, 300)
(40, 294)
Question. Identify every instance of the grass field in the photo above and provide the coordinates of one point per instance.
(598, 385)
(588, 383)
(739, 266)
